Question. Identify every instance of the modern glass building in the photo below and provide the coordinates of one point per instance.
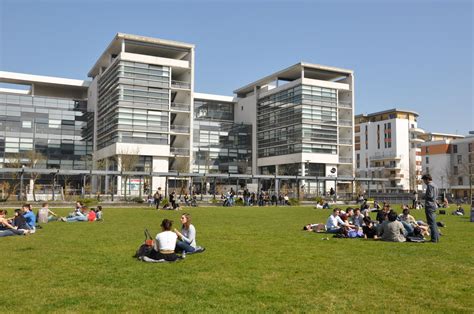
(139, 112)
(44, 125)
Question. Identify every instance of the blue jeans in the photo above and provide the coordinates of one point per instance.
(409, 230)
(431, 221)
(336, 230)
(183, 246)
(76, 218)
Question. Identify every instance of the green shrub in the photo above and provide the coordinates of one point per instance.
(318, 199)
(88, 201)
(164, 202)
(294, 201)
(138, 200)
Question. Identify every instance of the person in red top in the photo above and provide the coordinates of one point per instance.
(91, 216)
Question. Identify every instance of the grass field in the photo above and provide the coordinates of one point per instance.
(256, 259)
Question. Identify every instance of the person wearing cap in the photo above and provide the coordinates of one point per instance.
(430, 198)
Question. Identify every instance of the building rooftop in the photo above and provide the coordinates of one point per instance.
(394, 110)
(147, 44)
(29, 79)
(294, 72)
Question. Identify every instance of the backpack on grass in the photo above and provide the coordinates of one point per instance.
(147, 246)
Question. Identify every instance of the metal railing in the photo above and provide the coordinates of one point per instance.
(179, 128)
(345, 122)
(345, 160)
(345, 141)
(180, 106)
(180, 84)
(179, 151)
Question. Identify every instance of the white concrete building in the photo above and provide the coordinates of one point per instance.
(387, 146)
(303, 122)
(142, 96)
(451, 163)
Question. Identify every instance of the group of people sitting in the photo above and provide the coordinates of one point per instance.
(23, 222)
(388, 225)
(170, 241)
(83, 213)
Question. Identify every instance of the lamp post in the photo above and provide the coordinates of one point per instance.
(21, 182)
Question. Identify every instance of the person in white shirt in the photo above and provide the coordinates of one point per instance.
(187, 236)
(334, 223)
(164, 244)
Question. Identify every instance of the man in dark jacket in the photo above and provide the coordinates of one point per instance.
(431, 196)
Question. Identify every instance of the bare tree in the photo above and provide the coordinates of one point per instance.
(127, 160)
(12, 161)
(35, 160)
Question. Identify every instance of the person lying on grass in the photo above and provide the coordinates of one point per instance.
(315, 227)
(83, 215)
(7, 229)
(187, 236)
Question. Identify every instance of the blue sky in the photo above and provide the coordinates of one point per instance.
(413, 55)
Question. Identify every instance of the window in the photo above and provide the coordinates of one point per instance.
(455, 149)
(358, 160)
(459, 159)
(427, 160)
(469, 147)
(427, 169)
(460, 181)
(455, 170)
(427, 150)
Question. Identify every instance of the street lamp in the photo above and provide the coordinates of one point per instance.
(21, 182)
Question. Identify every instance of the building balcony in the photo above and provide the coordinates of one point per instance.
(385, 156)
(417, 131)
(345, 141)
(175, 106)
(178, 151)
(417, 140)
(343, 122)
(180, 84)
(179, 129)
(345, 104)
(345, 160)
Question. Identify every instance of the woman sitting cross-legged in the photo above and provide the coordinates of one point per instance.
(187, 236)
(6, 229)
(164, 244)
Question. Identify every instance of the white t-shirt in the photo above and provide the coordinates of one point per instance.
(165, 240)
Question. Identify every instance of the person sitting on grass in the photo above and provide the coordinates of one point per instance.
(98, 213)
(49, 214)
(164, 244)
(406, 218)
(382, 213)
(392, 230)
(369, 229)
(29, 216)
(187, 236)
(7, 229)
(357, 218)
(315, 227)
(334, 224)
(82, 215)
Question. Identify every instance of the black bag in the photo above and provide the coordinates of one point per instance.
(146, 248)
(416, 239)
(440, 224)
(442, 212)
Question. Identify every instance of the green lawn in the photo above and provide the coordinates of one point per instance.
(256, 259)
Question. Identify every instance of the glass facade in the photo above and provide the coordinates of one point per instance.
(299, 119)
(220, 145)
(133, 104)
(55, 127)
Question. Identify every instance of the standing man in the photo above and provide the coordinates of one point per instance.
(415, 199)
(430, 206)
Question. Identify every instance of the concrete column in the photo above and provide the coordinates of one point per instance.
(106, 177)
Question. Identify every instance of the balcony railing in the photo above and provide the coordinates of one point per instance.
(345, 141)
(179, 128)
(345, 104)
(345, 122)
(380, 156)
(179, 151)
(180, 84)
(345, 160)
(180, 106)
